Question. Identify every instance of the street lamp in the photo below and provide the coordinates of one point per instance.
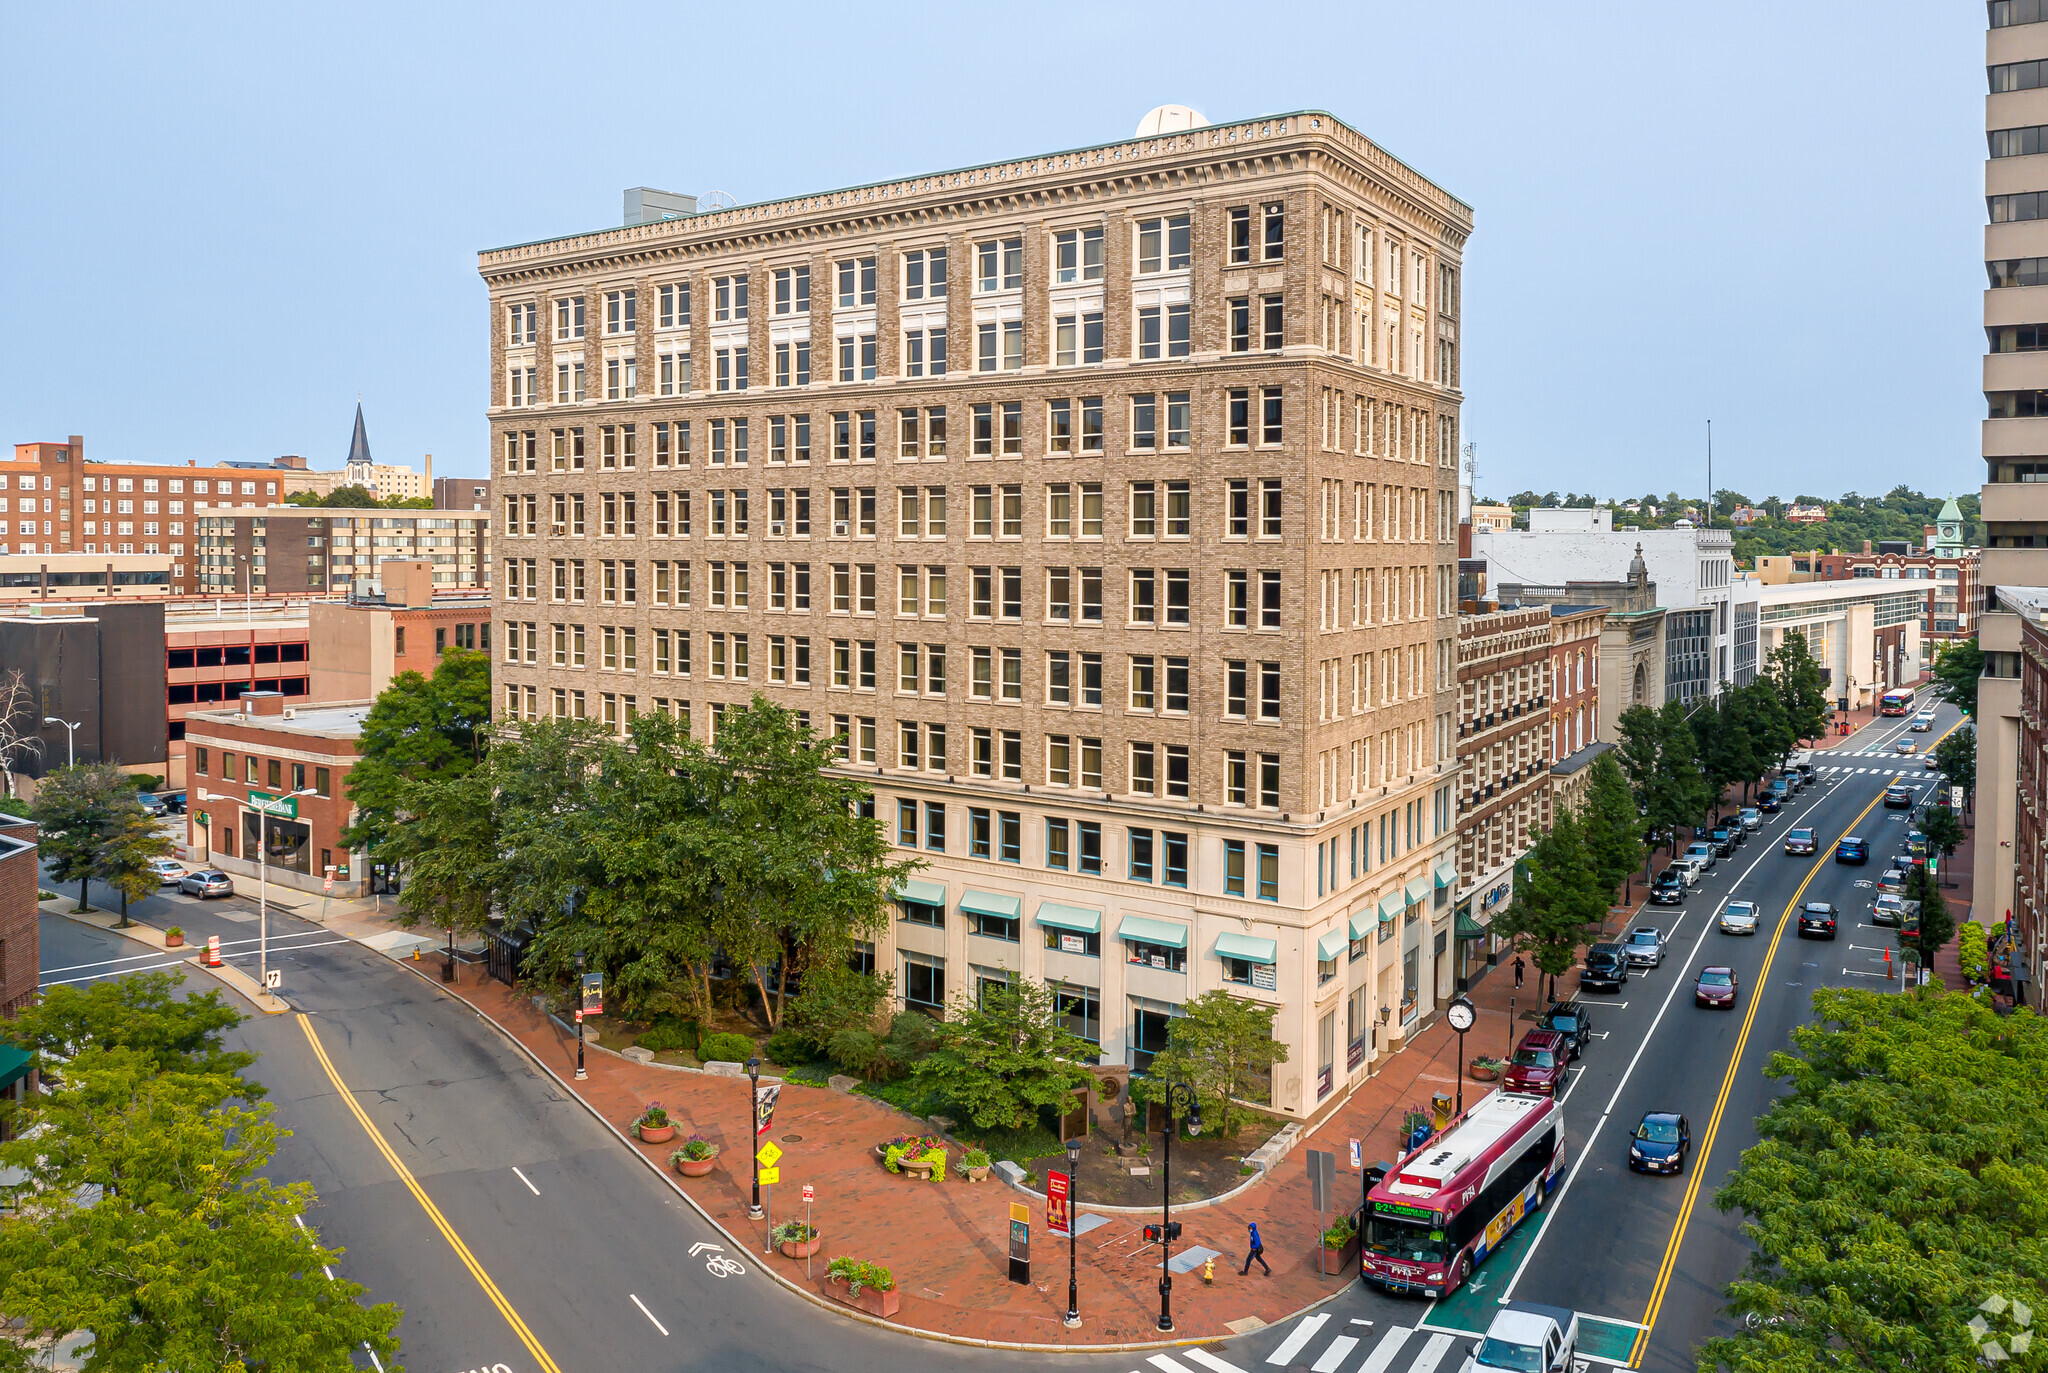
(1177, 1094)
(265, 810)
(1073, 1320)
(70, 738)
(1462, 1016)
(753, 1136)
(580, 1074)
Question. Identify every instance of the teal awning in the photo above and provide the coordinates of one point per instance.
(1391, 906)
(1447, 875)
(1245, 947)
(1418, 891)
(1361, 923)
(985, 903)
(1164, 933)
(1468, 928)
(1332, 944)
(14, 1064)
(1076, 918)
(918, 890)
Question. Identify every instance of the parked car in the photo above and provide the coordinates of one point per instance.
(1770, 802)
(1661, 1143)
(1898, 796)
(1905, 746)
(1752, 818)
(1715, 986)
(1817, 918)
(1690, 868)
(1724, 838)
(206, 882)
(1896, 911)
(150, 802)
(1701, 856)
(1801, 763)
(1568, 1018)
(1801, 840)
(1645, 946)
(1852, 849)
(1923, 722)
(1738, 917)
(1893, 883)
(1541, 1064)
(1931, 763)
(1669, 888)
(169, 871)
(1606, 969)
(174, 802)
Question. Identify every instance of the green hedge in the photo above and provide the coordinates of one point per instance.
(1972, 954)
(725, 1048)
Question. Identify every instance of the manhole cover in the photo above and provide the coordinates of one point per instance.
(792, 1139)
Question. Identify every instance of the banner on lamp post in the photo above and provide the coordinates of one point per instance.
(1057, 1219)
(765, 1097)
(593, 993)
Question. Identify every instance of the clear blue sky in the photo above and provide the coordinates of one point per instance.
(218, 225)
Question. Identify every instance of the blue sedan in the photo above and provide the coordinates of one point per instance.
(1661, 1143)
(1852, 850)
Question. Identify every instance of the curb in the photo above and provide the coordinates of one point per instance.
(249, 993)
(839, 1308)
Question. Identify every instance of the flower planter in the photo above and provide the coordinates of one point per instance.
(794, 1249)
(657, 1134)
(173, 941)
(916, 1167)
(867, 1299)
(1335, 1261)
(695, 1167)
(977, 1174)
(1483, 1072)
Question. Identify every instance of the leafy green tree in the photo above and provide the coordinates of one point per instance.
(146, 1013)
(1937, 922)
(1800, 689)
(1004, 1060)
(1895, 1187)
(1956, 755)
(1659, 754)
(351, 497)
(185, 1256)
(1614, 831)
(1956, 671)
(836, 998)
(450, 844)
(1727, 744)
(419, 727)
(1772, 725)
(1223, 1048)
(1943, 829)
(1558, 897)
(79, 812)
(132, 840)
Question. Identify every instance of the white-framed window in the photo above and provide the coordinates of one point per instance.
(730, 368)
(728, 299)
(924, 352)
(675, 306)
(999, 345)
(857, 357)
(1164, 326)
(856, 282)
(522, 323)
(1165, 244)
(924, 274)
(999, 265)
(674, 373)
(793, 362)
(621, 311)
(1077, 338)
(568, 318)
(1076, 256)
(793, 291)
(568, 382)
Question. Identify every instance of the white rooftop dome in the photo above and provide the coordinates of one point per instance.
(1171, 119)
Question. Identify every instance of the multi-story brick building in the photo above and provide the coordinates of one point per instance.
(1504, 749)
(1101, 503)
(336, 549)
(267, 751)
(1575, 633)
(361, 643)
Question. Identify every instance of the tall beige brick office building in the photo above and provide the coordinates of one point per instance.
(1101, 504)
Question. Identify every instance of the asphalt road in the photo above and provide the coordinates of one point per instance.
(520, 1236)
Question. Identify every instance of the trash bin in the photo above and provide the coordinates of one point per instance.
(1440, 1106)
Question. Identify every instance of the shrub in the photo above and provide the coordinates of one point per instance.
(834, 999)
(787, 1046)
(1340, 1234)
(1972, 955)
(976, 1157)
(668, 1032)
(696, 1149)
(793, 1232)
(857, 1274)
(45, 895)
(860, 1051)
(177, 930)
(655, 1116)
(726, 1048)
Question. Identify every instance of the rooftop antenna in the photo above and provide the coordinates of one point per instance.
(1710, 474)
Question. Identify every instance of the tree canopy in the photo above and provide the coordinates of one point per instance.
(1956, 670)
(1800, 690)
(1222, 1047)
(1006, 1056)
(1559, 895)
(91, 828)
(420, 727)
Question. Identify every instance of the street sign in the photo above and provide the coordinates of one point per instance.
(327, 884)
(593, 993)
(1357, 1158)
(768, 1154)
(273, 978)
(810, 1192)
(287, 806)
(1955, 798)
(770, 1175)
(1056, 1195)
(1322, 1177)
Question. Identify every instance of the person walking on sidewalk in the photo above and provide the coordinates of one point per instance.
(1257, 1251)
(1518, 972)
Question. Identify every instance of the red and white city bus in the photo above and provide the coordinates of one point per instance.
(1447, 1205)
(1898, 702)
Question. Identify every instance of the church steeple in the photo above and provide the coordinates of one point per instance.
(359, 445)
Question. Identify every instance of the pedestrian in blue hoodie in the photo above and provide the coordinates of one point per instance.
(1257, 1251)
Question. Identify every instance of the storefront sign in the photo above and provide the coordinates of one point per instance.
(1496, 896)
(1263, 977)
(275, 805)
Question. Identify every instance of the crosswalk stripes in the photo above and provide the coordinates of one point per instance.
(1395, 1350)
(1304, 1331)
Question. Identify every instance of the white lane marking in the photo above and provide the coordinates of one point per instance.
(649, 1314)
(1212, 1363)
(1334, 1355)
(375, 1362)
(1384, 1352)
(1166, 1365)
(528, 1181)
(1431, 1353)
(94, 977)
(1301, 1334)
(276, 941)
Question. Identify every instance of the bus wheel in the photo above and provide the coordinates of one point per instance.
(1536, 1202)
(1464, 1267)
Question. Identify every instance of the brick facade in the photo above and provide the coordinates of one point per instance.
(20, 880)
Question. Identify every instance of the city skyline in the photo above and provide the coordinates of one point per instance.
(312, 175)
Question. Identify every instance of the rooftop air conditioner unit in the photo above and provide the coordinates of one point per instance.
(291, 712)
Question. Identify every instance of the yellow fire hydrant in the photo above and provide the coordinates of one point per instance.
(1209, 1272)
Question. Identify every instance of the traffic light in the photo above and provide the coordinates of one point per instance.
(1171, 1229)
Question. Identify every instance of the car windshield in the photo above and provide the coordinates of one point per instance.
(1522, 1358)
(1643, 937)
(1405, 1241)
(1819, 909)
(1802, 834)
(1535, 1058)
(1605, 958)
(1714, 980)
(1564, 1020)
(1741, 908)
(1658, 1131)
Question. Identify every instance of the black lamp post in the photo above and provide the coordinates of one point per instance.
(579, 1016)
(1073, 1232)
(1177, 1094)
(754, 1115)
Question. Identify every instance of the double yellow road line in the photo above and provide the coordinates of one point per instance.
(1706, 1150)
(462, 1251)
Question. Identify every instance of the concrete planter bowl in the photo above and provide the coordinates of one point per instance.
(803, 1249)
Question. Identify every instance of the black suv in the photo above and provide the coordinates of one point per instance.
(1568, 1018)
(1606, 968)
(1724, 840)
(1668, 889)
(1817, 918)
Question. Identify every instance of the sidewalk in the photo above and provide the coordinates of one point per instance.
(947, 1243)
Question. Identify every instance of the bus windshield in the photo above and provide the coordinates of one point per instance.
(1406, 1241)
